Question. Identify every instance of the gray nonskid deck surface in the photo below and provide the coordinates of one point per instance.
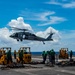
(40, 71)
(10, 72)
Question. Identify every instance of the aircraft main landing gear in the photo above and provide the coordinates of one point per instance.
(17, 39)
(21, 40)
(43, 42)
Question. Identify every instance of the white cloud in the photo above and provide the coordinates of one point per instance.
(28, 15)
(53, 2)
(67, 39)
(70, 4)
(6, 41)
(19, 23)
(44, 18)
(4, 36)
(53, 20)
(47, 32)
(62, 39)
(68, 34)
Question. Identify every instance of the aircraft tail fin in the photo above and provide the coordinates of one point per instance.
(50, 37)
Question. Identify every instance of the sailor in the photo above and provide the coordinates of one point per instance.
(44, 55)
(52, 53)
(14, 54)
(9, 57)
(49, 56)
(0, 53)
(21, 56)
(71, 53)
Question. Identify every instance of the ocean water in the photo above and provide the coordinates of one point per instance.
(39, 53)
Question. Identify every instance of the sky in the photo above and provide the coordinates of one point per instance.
(41, 17)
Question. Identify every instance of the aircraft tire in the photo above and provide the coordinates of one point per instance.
(17, 39)
(21, 39)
